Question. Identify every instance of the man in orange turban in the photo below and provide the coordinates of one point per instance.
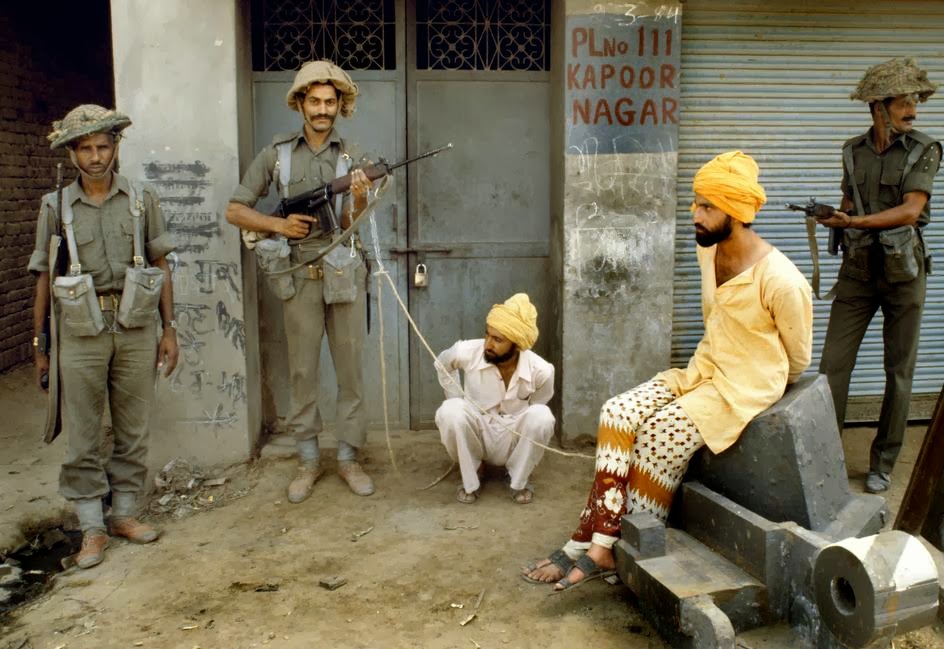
(512, 385)
(758, 336)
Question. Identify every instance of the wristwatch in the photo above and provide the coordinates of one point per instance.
(172, 324)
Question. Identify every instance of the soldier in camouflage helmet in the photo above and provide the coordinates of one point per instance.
(96, 362)
(888, 173)
(299, 162)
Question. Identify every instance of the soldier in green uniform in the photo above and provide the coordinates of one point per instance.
(108, 349)
(888, 173)
(327, 295)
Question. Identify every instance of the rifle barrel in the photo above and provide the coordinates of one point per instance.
(420, 157)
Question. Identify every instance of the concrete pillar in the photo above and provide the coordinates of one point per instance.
(619, 87)
(181, 74)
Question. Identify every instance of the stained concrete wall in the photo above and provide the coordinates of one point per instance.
(620, 94)
(180, 73)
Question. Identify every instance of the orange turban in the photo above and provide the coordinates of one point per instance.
(516, 320)
(730, 183)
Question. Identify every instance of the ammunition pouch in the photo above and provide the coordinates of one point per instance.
(141, 296)
(901, 248)
(856, 245)
(273, 256)
(78, 304)
(340, 275)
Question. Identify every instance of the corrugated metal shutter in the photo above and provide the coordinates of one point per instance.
(773, 80)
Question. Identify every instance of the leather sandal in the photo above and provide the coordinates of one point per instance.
(558, 558)
(591, 570)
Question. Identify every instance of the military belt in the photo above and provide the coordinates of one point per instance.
(109, 301)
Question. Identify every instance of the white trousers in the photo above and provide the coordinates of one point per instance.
(471, 438)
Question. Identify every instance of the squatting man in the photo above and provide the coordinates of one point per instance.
(512, 385)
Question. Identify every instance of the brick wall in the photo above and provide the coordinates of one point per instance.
(51, 60)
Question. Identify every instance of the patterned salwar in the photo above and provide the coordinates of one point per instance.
(644, 443)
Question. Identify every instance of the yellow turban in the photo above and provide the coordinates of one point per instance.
(730, 183)
(516, 320)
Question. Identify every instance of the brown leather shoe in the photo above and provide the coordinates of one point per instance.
(301, 486)
(359, 482)
(92, 553)
(132, 529)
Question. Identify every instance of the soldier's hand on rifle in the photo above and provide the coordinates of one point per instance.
(835, 220)
(296, 226)
(360, 183)
(42, 368)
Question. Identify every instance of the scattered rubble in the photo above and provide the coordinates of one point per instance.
(183, 489)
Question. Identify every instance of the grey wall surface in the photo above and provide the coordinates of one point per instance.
(620, 98)
(175, 74)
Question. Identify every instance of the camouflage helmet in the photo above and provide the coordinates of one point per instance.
(892, 79)
(323, 71)
(86, 119)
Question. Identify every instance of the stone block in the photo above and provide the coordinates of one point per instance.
(747, 540)
(788, 465)
(645, 534)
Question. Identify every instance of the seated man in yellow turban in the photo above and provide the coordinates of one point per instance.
(758, 338)
(512, 385)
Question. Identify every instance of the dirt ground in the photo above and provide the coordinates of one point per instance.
(247, 574)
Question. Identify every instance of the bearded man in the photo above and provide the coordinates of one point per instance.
(758, 338)
(512, 385)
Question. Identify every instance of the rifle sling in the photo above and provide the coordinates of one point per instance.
(814, 252)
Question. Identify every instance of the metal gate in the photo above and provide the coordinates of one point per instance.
(430, 72)
(773, 80)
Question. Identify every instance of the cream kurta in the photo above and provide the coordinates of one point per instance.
(758, 338)
(471, 437)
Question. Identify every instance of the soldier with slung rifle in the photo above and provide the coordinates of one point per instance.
(107, 284)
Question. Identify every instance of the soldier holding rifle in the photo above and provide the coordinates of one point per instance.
(888, 173)
(318, 293)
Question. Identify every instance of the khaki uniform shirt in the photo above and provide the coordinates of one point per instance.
(104, 233)
(758, 338)
(310, 169)
(879, 175)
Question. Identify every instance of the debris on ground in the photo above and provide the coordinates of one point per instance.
(183, 489)
(244, 587)
(357, 535)
(332, 583)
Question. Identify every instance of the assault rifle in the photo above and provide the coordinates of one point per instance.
(311, 202)
(45, 336)
(814, 210)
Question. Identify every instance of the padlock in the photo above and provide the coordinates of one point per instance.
(420, 278)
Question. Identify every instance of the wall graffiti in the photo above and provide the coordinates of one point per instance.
(209, 380)
(622, 75)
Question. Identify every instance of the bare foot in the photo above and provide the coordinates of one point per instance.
(603, 557)
(544, 571)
